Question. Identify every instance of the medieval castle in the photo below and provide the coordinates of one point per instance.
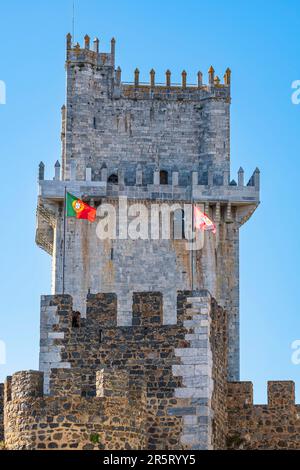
(139, 347)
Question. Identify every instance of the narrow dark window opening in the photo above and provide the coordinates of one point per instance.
(76, 320)
(113, 179)
(163, 177)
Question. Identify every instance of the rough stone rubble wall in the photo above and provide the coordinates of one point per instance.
(148, 385)
(151, 354)
(112, 420)
(260, 427)
(1, 412)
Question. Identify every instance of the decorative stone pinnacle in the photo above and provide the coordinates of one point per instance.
(211, 75)
(57, 164)
(200, 77)
(96, 45)
(152, 78)
(183, 75)
(87, 41)
(112, 51)
(241, 176)
(168, 78)
(41, 171)
(69, 41)
(227, 76)
(118, 75)
(136, 77)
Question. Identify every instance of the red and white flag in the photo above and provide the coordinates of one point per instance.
(202, 222)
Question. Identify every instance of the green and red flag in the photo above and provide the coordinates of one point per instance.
(75, 207)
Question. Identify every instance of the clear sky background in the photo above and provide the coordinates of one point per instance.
(260, 42)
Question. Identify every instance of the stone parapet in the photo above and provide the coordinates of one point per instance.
(275, 425)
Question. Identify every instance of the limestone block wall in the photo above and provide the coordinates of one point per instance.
(203, 368)
(124, 266)
(275, 425)
(109, 122)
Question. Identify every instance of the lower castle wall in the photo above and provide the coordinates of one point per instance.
(219, 345)
(260, 427)
(147, 350)
(70, 423)
(113, 420)
(1, 412)
(146, 386)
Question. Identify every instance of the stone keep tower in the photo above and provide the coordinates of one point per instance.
(139, 346)
(149, 142)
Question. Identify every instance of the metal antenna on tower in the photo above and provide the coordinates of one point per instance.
(73, 21)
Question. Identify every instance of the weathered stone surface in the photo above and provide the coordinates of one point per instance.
(145, 363)
(125, 385)
(272, 426)
(117, 138)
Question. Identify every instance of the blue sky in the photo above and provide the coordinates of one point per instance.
(259, 41)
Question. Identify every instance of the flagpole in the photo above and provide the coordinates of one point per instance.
(64, 244)
(192, 254)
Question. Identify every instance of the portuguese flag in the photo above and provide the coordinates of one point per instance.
(77, 208)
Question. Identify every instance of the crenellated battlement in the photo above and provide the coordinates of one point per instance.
(23, 385)
(275, 425)
(173, 91)
(141, 386)
(114, 418)
(80, 55)
(177, 185)
(126, 384)
(280, 394)
(26, 385)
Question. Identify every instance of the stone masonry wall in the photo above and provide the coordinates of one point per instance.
(151, 265)
(147, 349)
(144, 386)
(133, 132)
(196, 371)
(112, 420)
(219, 348)
(112, 123)
(1, 412)
(260, 427)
